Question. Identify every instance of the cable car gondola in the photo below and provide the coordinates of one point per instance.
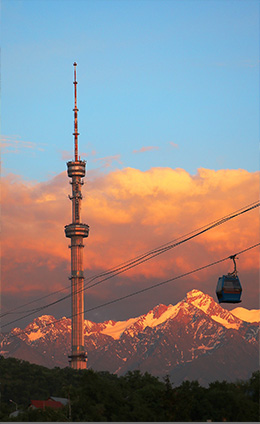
(228, 287)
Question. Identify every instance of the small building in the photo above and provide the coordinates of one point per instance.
(49, 403)
(64, 401)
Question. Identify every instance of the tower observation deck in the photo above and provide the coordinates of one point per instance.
(76, 231)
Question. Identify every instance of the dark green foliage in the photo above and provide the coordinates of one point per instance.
(37, 415)
(134, 397)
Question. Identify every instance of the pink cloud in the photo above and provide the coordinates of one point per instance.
(12, 144)
(146, 149)
(67, 155)
(130, 212)
(176, 146)
(107, 161)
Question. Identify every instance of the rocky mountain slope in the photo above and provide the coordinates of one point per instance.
(194, 339)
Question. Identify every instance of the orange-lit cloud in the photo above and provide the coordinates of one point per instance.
(146, 149)
(129, 212)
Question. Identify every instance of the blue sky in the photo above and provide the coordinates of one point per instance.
(160, 84)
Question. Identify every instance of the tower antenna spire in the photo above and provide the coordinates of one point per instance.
(76, 134)
(77, 231)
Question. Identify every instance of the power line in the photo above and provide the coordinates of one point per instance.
(166, 245)
(145, 289)
(167, 281)
(11, 311)
(145, 257)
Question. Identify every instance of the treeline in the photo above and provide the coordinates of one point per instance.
(134, 397)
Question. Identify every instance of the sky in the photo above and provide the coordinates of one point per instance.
(168, 98)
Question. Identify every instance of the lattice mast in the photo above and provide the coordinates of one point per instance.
(76, 231)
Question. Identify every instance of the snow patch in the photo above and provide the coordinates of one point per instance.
(199, 299)
(247, 315)
(207, 305)
(171, 312)
(46, 318)
(203, 347)
(35, 335)
(116, 329)
(225, 323)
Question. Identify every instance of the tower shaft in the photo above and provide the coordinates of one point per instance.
(76, 231)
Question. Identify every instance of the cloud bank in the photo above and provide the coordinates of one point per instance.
(129, 212)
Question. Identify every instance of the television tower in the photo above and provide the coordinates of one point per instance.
(76, 232)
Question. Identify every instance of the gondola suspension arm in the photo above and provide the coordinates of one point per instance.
(233, 273)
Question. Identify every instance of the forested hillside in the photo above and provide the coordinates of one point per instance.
(101, 396)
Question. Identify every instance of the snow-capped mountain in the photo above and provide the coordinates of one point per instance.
(194, 339)
(252, 315)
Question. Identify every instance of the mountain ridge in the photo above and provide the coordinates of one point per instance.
(191, 338)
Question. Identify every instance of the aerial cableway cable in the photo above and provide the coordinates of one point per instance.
(141, 290)
(167, 246)
(166, 281)
(142, 258)
(138, 258)
(12, 311)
